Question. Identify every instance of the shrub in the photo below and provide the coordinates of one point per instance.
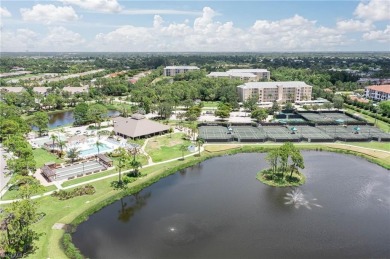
(70, 250)
(79, 191)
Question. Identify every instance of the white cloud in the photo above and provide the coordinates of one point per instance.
(205, 34)
(373, 10)
(157, 21)
(20, 40)
(159, 11)
(49, 14)
(4, 12)
(62, 39)
(354, 25)
(381, 36)
(56, 39)
(109, 6)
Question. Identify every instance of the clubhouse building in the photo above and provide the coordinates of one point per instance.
(137, 126)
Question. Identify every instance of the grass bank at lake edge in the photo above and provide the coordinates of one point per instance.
(78, 209)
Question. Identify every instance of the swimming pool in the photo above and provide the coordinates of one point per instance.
(93, 150)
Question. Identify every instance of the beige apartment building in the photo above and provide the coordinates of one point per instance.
(247, 75)
(174, 70)
(281, 92)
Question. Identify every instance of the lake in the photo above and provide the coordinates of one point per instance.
(67, 118)
(217, 209)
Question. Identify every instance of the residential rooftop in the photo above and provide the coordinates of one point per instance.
(380, 88)
(181, 67)
(274, 84)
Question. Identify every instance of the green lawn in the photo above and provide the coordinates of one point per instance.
(141, 158)
(41, 156)
(373, 144)
(13, 194)
(210, 104)
(385, 127)
(166, 147)
(49, 245)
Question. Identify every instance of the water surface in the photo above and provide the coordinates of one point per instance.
(217, 209)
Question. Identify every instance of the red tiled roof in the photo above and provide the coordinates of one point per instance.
(380, 88)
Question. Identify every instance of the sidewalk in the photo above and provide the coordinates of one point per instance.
(101, 178)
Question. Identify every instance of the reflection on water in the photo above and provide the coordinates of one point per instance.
(296, 198)
(179, 229)
(67, 118)
(134, 203)
(219, 210)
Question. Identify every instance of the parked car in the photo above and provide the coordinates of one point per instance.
(78, 132)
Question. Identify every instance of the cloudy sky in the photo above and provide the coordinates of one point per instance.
(133, 26)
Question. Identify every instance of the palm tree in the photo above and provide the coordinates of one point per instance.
(135, 151)
(135, 165)
(61, 144)
(200, 142)
(183, 148)
(54, 138)
(98, 144)
(122, 161)
(73, 153)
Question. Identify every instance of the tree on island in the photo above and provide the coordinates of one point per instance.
(279, 159)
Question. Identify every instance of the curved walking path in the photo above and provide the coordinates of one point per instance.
(102, 178)
(368, 151)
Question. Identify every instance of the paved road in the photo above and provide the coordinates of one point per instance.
(3, 178)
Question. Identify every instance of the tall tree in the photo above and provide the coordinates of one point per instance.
(81, 114)
(338, 102)
(54, 138)
(73, 153)
(199, 142)
(97, 113)
(41, 121)
(223, 111)
(98, 144)
(17, 236)
(259, 114)
(183, 148)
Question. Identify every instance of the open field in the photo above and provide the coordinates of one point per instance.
(373, 144)
(13, 194)
(41, 156)
(166, 147)
(210, 104)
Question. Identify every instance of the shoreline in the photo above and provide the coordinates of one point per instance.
(51, 245)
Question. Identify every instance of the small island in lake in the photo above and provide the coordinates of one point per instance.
(284, 164)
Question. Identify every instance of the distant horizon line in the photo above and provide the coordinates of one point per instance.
(135, 52)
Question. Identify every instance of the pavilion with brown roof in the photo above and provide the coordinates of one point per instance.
(137, 126)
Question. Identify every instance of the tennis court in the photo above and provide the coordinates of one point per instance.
(279, 133)
(330, 117)
(312, 134)
(77, 170)
(371, 132)
(248, 134)
(343, 133)
(215, 134)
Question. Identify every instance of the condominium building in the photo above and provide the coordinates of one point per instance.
(248, 75)
(261, 73)
(174, 70)
(378, 92)
(291, 91)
